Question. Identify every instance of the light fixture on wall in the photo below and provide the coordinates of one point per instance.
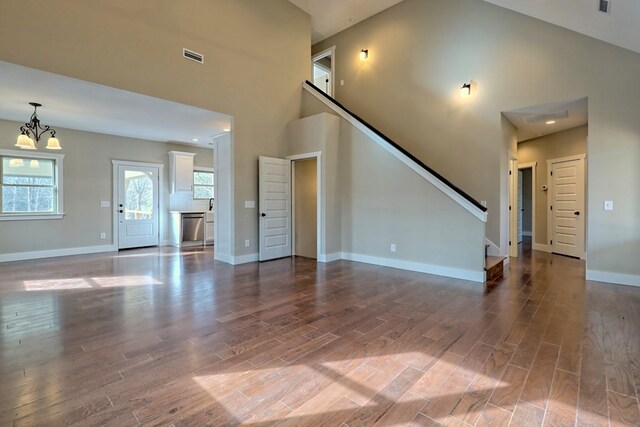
(465, 90)
(364, 54)
(32, 131)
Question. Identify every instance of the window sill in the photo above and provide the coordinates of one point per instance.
(30, 217)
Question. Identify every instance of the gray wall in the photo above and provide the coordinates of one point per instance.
(87, 175)
(421, 51)
(382, 201)
(554, 146)
(257, 53)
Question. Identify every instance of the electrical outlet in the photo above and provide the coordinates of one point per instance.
(483, 203)
(393, 247)
(247, 243)
(103, 236)
(608, 205)
(104, 204)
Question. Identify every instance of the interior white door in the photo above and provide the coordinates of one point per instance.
(137, 210)
(274, 187)
(520, 207)
(567, 207)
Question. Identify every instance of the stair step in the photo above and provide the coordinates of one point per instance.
(494, 267)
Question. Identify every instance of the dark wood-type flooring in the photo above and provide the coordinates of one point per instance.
(163, 337)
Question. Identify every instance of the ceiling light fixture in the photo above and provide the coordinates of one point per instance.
(465, 90)
(364, 54)
(32, 130)
(550, 122)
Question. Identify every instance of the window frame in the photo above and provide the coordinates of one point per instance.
(58, 186)
(202, 169)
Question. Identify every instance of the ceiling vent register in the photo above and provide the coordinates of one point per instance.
(604, 6)
(194, 56)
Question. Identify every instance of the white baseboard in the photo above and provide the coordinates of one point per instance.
(616, 278)
(541, 247)
(456, 273)
(222, 257)
(330, 257)
(165, 242)
(19, 256)
(526, 233)
(243, 259)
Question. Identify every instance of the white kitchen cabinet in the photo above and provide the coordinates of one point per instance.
(180, 171)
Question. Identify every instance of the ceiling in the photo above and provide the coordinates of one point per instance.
(329, 17)
(76, 104)
(619, 27)
(531, 122)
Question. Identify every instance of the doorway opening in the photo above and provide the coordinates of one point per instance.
(323, 70)
(304, 192)
(550, 147)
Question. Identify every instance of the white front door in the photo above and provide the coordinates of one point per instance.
(274, 182)
(137, 208)
(567, 206)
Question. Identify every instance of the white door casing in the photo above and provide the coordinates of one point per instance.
(274, 198)
(327, 53)
(567, 206)
(520, 206)
(137, 204)
(513, 197)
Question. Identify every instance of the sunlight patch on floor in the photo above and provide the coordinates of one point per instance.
(88, 283)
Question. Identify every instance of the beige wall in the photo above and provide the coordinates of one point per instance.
(421, 51)
(306, 197)
(257, 53)
(87, 175)
(554, 146)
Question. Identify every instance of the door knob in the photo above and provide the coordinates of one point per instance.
(263, 214)
(120, 205)
(576, 213)
(121, 211)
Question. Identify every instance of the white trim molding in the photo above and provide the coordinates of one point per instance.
(20, 256)
(335, 256)
(615, 278)
(541, 247)
(456, 273)
(435, 181)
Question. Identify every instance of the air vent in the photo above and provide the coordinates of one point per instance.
(604, 6)
(194, 56)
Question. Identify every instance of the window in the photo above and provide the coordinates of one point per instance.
(203, 184)
(30, 185)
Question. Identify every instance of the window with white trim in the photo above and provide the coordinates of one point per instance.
(203, 185)
(30, 184)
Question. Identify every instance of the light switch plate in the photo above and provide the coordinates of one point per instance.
(249, 204)
(105, 204)
(608, 205)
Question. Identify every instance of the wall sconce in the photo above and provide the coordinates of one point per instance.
(364, 54)
(465, 90)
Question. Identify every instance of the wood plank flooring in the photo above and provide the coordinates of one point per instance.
(161, 336)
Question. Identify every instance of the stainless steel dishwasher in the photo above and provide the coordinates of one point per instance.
(193, 228)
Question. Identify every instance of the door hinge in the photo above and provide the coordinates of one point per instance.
(509, 172)
(551, 173)
(509, 207)
(551, 242)
(551, 207)
(509, 242)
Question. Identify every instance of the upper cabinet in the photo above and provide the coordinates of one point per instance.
(181, 171)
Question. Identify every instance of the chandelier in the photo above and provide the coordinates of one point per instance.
(32, 131)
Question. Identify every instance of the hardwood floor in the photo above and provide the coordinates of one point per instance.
(163, 337)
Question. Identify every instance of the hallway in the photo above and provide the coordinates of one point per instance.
(170, 337)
